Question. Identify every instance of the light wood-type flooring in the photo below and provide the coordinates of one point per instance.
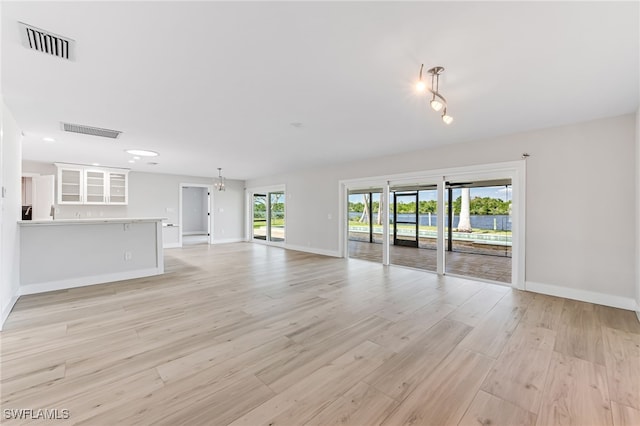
(246, 334)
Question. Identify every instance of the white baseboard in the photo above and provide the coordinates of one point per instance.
(85, 281)
(227, 240)
(6, 310)
(194, 233)
(621, 302)
(171, 245)
(323, 252)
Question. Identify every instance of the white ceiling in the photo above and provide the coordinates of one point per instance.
(218, 84)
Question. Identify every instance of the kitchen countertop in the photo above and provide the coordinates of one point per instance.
(89, 221)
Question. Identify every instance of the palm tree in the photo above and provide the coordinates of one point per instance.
(365, 212)
(464, 224)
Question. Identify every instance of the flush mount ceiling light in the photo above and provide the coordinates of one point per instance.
(142, 152)
(220, 184)
(438, 102)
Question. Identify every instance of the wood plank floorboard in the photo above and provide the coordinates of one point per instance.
(247, 334)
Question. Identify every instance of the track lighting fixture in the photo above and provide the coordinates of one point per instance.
(438, 102)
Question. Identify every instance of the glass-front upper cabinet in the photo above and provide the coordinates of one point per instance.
(70, 185)
(95, 186)
(118, 188)
(78, 184)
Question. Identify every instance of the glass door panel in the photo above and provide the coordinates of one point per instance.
(365, 225)
(478, 235)
(414, 227)
(358, 217)
(376, 217)
(260, 216)
(276, 216)
(428, 219)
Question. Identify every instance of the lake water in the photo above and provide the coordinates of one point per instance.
(502, 222)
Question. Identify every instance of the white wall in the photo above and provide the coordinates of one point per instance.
(638, 214)
(159, 195)
(11, 211)
(228, 212)
(194, 210)
(576, 176)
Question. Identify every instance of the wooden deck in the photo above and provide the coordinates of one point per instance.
(488, 267)
(246, 334)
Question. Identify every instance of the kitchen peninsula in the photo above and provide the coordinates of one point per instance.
(67, 253)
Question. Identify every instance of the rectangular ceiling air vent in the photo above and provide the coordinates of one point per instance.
(88, 130)
(46, 42)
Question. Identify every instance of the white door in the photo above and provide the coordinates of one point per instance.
(42, 197)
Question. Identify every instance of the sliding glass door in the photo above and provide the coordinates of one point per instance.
(478, 239)
(269, 216)
(457, 225)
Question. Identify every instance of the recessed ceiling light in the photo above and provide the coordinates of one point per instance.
(136, 158)
(95, 164)
(132, 161)
(142, 152)
(47, 139)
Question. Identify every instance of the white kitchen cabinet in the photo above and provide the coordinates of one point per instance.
(118, 188)
(79, 184)
(70, 185)
(95, 186)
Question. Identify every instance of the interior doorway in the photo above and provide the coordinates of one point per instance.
(195, 214)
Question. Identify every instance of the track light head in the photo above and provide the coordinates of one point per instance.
(446, 117)
(438, 102)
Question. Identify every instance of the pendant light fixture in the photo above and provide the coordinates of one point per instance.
(438, 102)
(220, 184)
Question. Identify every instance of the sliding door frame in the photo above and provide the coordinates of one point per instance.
(515, 170)
(267, 191)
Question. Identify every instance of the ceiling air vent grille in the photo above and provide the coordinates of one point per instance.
(88, 130)
(46, 42)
